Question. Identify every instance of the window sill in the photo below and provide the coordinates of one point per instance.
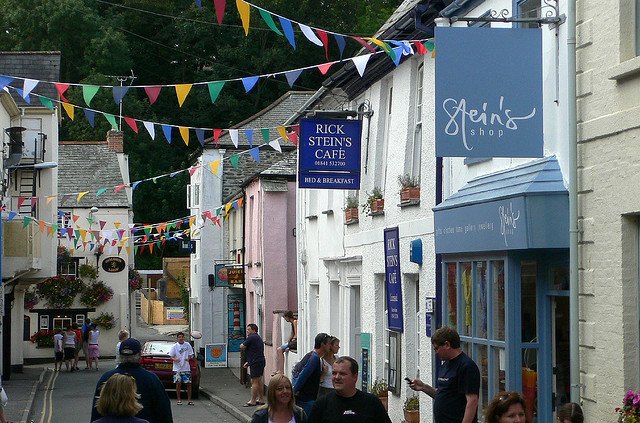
(409, 204)
(352, 222)
(627, 69)
(378, 213)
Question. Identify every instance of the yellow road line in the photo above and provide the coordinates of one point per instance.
(47, 409)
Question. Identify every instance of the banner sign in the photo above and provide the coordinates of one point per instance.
(215, 355)
(235, 321)
(229, 276)
(175, 313)
(329, 153)
(489, 92)
(394, 285)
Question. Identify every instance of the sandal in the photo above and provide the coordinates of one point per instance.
(190, 403)
(179, 403)
(248, 404)
(259, 403)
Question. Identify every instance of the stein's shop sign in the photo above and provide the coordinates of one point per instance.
(488, 92)
(113, 264)
(329, 153)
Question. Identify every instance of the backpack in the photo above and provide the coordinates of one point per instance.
(297, 369)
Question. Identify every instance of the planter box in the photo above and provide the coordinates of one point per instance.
(412, 416)
(377, 205)
(351, 214)
(409, 195)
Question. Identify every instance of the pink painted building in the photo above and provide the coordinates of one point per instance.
(270, 252)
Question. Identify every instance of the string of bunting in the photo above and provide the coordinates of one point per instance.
(317, 36)
(214, 87)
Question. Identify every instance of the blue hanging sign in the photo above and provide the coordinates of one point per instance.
(329, 153)
(489, 92)
(394, 285)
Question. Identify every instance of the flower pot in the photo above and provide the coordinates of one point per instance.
(351, 214)
(377, 205)
(409, 195)
(385, 401)
(412, 416)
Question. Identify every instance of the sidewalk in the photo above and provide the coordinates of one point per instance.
(222, 387)
(21, 390)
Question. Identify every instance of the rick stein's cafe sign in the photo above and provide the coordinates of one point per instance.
(488, 92)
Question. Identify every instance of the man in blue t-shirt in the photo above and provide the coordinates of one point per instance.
(458, 384)
(307, 382)
(253, 348)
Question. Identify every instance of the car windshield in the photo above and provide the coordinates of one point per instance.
(157, 347)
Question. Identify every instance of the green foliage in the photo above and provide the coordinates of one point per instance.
(44, 338)
(96, 294)
(88, 271)
(412, 403)
(408, 181)
(375, 194)
(380, 386)
(351, 202)
(105, 320)
(60, 291)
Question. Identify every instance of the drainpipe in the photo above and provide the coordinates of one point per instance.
(574, 325)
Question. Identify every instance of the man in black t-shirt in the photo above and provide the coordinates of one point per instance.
(254, 353)
(346, 403)
(458, 384)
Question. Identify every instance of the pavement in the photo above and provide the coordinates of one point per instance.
(221, 386)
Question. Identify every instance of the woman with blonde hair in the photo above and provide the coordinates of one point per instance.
(281, 405)
(118, 400)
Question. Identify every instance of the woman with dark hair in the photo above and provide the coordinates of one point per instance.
(118, 400)
(507, 407)
(570, 413)
(281, 405)
(326, 381)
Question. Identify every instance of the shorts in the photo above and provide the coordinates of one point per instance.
(85, 348)
(69, 353)
(182, 377)
(94, 351)
(59, 355)
(257, 369)
(78, 348)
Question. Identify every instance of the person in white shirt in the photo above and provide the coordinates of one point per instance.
(181, 353)
(94, 349)
(58, 341)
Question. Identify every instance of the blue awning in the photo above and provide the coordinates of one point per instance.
(520, 208)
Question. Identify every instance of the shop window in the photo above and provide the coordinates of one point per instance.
(529, 9)
(529, 304)
(61, 322)
(413, 152)
(475, 290)
(394, 362)
(26, 330)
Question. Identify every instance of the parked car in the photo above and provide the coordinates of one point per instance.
(154, 357)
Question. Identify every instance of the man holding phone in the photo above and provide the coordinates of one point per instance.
(458, 384)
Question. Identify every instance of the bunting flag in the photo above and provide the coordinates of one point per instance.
(364, 44)
(20, 201)
(101, 191)
(214, 166)
(255, 153)
(325, 68)
(88, 92)
(68, 107)
(90, 115)
(61, 88)
(268, 19)
(214, 90)
(287, 27)
(325, 40)
(182, 90)
(152, 93)
(111, 119)
(361, 63)
(276, 146)
(34, 201)
(292, 76)
(29, 85)
(132, 123)
(342, 43)
(118, 188)
(249, 134)
(233, 133)
(184, 132)
(49, 199)
(4, 81)
(234, 160)
(216, 135)
(283, 132)
(150, 129)
(249, 82)
(82, 194)
(46, 102)
(119, 93)
(245, 14)
(220, 6)
(308, 32)
(265, 134)
(167, 132)
(200, 135)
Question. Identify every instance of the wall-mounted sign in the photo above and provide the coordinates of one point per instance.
(329, 153)
(394, 285)
(215, 355)
(229, 276)
(175, 313)
(113, 264)
(489, 92)
(235, 320)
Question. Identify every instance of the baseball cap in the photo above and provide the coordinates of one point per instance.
(130, 346)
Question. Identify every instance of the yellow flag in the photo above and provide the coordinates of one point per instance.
(49, 198)
(128, 250)
(117, 225)
(214, 167)
(245, 13)
(69, 109)
(191, 220)
(82, 194)
(227, 207)
(377, 42)
(83, 233)
(182, 90)
(283, 133)
(184, 131)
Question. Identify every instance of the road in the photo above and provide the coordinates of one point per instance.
(65, 397)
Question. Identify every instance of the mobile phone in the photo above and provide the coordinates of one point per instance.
(407, 379)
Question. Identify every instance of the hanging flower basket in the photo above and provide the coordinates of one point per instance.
(44, 338)
(630, 411)
(105, 320)
(60, 291)
(31, 299)
(96, 294)
(64, 255)
(135, 280)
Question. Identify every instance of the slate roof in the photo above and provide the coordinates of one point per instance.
(288, 166)
(276, 114)
(40, 65)
(89, 166)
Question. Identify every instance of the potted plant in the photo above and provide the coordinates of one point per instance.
(43, 338)
(96, 294)
(409, 188)
(630, 410)
(87, 271)
(381, 388)
(351, 208)
(60, 291)
(375, 202)
(105, 320)
(412, 409)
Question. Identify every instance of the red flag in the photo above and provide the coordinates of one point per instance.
(364, 44)
(61, 90)
(420, 48)
(153, 93)
(324, 68)
(216, 135)
(325, 40)
(220, 5)
(132, 123)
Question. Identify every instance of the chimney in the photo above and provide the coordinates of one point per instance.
(115, 140)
